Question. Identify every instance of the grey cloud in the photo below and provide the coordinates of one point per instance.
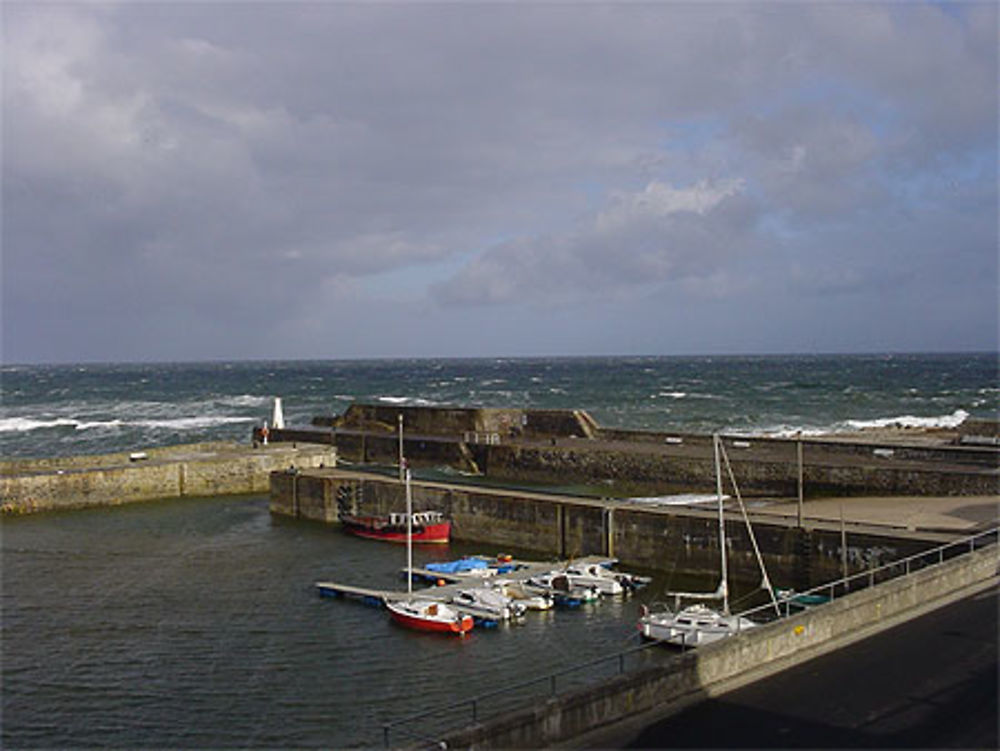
(177, 162)
(662, 233)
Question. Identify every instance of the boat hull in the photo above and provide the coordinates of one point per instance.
(376, 528)
(692, 627)
(431, 617)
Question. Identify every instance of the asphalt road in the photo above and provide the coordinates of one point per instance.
(929, 683)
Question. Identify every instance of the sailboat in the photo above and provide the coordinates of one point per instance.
(423, 613)
(698, 624)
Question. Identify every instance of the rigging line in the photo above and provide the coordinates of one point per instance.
(753, 538)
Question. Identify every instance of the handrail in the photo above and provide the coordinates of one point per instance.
(828, 589)
(845, 584)
(473, 703)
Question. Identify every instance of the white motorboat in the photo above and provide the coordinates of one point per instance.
(594, 575)
(517, 592)
(698, 624)
(561, 589)
(487, 604)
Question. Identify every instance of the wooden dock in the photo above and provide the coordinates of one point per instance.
(519, 571)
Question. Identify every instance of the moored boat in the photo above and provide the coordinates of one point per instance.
(800, 600)
(693, 626)
(561, 589)
(487, 604)
(427, 527)
(699, 624)
(606, 581)
(516, 591)
(424, 614)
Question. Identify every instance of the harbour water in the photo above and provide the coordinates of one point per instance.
(195, 624)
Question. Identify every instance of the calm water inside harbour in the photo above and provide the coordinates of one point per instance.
(194, 623)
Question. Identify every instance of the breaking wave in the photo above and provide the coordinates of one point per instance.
(953, 420)
(25, 424)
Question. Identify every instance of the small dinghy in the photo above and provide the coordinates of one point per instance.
(429, 615)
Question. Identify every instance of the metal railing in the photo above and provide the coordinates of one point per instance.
(471, 708)
(877, 574)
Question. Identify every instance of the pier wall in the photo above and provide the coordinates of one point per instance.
(450, 421)
(693, 676)
(639, 471)
(681, 540)
(28, 486)
(564, 447)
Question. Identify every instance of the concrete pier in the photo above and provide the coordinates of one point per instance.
(205, 469)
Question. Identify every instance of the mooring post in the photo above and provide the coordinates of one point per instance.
(610, 525)
(798, 452)
(401, 462)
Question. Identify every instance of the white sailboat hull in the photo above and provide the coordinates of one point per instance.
(693, 626)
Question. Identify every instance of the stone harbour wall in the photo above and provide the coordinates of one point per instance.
(183, 471)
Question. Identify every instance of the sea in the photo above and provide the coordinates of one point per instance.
(53, 410)
(195, 623)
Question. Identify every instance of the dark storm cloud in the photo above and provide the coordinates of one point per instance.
(214, 180)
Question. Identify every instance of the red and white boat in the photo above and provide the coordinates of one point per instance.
(427, 527)
(422, 613)
(429, 615)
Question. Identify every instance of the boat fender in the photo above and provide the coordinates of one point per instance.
(440, 582)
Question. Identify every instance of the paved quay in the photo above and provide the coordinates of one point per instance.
(910, 513)
(928, 683)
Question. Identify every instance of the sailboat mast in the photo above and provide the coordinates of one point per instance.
(409, 535)
(724, 585)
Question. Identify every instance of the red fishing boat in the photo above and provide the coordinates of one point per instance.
(427, 526)
(429, 615)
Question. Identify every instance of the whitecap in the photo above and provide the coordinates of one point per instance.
(246, 400)
(24, 424)
(99, 424)
(953, 420)
(191, 423)
(394, 399)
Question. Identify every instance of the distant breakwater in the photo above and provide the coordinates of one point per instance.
(568, 447)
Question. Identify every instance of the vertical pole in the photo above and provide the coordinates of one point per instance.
(401, 447)
(798, 451)
(611, 531)
(716, 442)
(843, 543)
(409, 536)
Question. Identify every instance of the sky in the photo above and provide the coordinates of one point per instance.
(272, 180)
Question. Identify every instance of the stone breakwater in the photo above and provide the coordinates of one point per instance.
(194, 470)
(568, 447)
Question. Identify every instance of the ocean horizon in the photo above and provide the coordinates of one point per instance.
(85, 408)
